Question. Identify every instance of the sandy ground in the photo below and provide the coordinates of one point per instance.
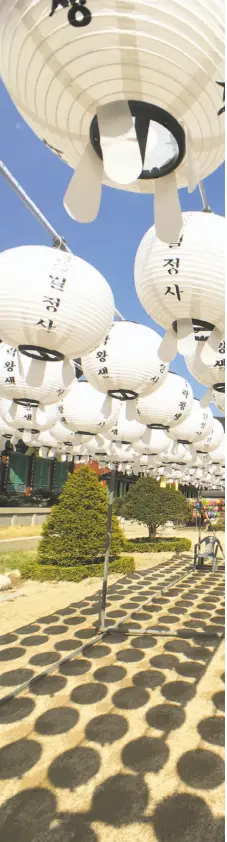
(126, 741)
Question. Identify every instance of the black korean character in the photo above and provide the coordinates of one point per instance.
(51, 303)
(106, 340)
(222, 110)
(182, 405)
(48, 325)
(57, 283)
(61, 392)
(185, 393)
(101, 356)
(221, 349)
(10, 380)
(56, 3)
(114, 432)
(154, 379)
(10, 365)
(173, 263)
(60, 409)
(28, 417)
(162, 368)
(174, 291)
(173, 245)
(177, 416)
(103, 371)
(11, 351)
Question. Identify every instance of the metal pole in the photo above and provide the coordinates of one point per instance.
(58, 241)
(107, 551)
(203, 195)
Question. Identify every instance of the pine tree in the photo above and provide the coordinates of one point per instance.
(75, 530)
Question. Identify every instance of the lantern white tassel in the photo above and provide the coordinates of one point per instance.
(167, 210)
(83, 195)
(207, 398)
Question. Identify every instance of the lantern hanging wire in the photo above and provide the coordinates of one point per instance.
(58, 241)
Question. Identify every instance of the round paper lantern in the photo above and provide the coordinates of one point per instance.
(218, 455)
(121, 453)
(86, 411)
(152, 442)
(218, 399)
(125, 429)
(126, 364)
(214, 439)
(197, 425)
(7, 431)
(71, 69)
(28, 417)
(170, 403)
(181, 286)
(52, 304)
(209, 375)
(33, 381)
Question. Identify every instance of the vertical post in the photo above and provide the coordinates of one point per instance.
(107, 551)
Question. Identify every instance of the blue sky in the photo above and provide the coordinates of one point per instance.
(109, 243)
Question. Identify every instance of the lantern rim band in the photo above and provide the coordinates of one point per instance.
(157, 427)
(198, 325)
(219, 387)
(39, 352)
(145, 112)
(26, 402)
(122, 394)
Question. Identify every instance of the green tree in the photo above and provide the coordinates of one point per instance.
(147, 503)
(75, 530)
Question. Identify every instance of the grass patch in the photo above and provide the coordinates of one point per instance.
(19, 531)
(30, 568)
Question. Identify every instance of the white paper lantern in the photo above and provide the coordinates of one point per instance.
(208, 375)
(171, 402)
(178, 453)
(52, 304)
(126, 364)
(152, 442)
(28, 417)
(33, 381)
(181, 286)
(85, 410)
(218, 399)
(64, 67)
(197, 425)
(60, 433)
(218, 455)
(122, 453)
(126, 429)
(214, 439)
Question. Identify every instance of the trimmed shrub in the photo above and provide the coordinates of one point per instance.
(152, 505)
(75, 531)
(52, 573)
(159, 546)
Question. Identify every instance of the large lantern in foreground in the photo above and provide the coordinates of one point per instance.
(182, 286)
(52, 304)
(126, 364)
(32, 381)
(170, 403)
(130, 96)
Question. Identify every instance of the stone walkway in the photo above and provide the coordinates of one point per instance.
(126, 741)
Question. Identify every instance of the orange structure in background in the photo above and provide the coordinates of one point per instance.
(95, 467)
